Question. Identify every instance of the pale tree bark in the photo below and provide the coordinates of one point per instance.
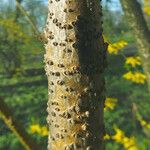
(75, 60)
(141, 32)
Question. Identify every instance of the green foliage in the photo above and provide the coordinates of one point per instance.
(29, 104)
(6, 142)
(113, 145)
(10, 39)
(127, 93)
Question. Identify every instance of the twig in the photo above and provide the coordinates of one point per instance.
(35, 29)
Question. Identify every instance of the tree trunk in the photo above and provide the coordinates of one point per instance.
(137, 22)
(75, 60)
(17, 10)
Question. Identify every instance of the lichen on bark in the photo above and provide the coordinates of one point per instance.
(74, 62)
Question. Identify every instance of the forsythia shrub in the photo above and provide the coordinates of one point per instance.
(41, 130)
(116, 47)
(144, 124)
(129, 143)
(133, 61)
(147, 7)
(110, 103)
(135, 77)
(147, 10)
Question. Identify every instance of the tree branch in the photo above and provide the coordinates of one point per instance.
(16, 127)
(35, 29)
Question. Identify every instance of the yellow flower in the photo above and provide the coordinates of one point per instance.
(41, 130)
(116, 47)
(139, 78)
(133, 61)
(148, 126)
(44, 131)
(136, 77)
(112, 49)
(35, 128)
(121, 44)
(133, 148)
(110, 103)
(118, 137)
(144, 123)
(128, 75)
(147, 9)
(128, 142)
(107, 137)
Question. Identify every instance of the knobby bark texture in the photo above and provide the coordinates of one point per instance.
(141, 32)
(74, 62)
(16, 127)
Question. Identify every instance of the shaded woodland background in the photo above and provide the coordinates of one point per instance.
(23, 83)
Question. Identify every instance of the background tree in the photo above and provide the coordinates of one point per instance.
(137, 22)
(75, 60)
(17, 9)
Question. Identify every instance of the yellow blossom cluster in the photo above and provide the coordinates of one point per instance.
(147, 7)
(136, 77)
(133, 61)
(110, 103)
(129, 143)
(41, 130)
(147, 10)
(144, 124)
(107, 137)
(116, 47)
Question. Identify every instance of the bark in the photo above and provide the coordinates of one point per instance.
(16, 127)
(141, 32)
(18, 10)
(74, 62)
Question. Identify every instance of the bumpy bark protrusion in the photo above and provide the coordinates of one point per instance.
(75, 60)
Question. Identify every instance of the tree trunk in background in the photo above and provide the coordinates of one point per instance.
(17, 10)
(137, 22)
(75, 60)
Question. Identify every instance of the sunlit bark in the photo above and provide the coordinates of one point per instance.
(74, 62)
